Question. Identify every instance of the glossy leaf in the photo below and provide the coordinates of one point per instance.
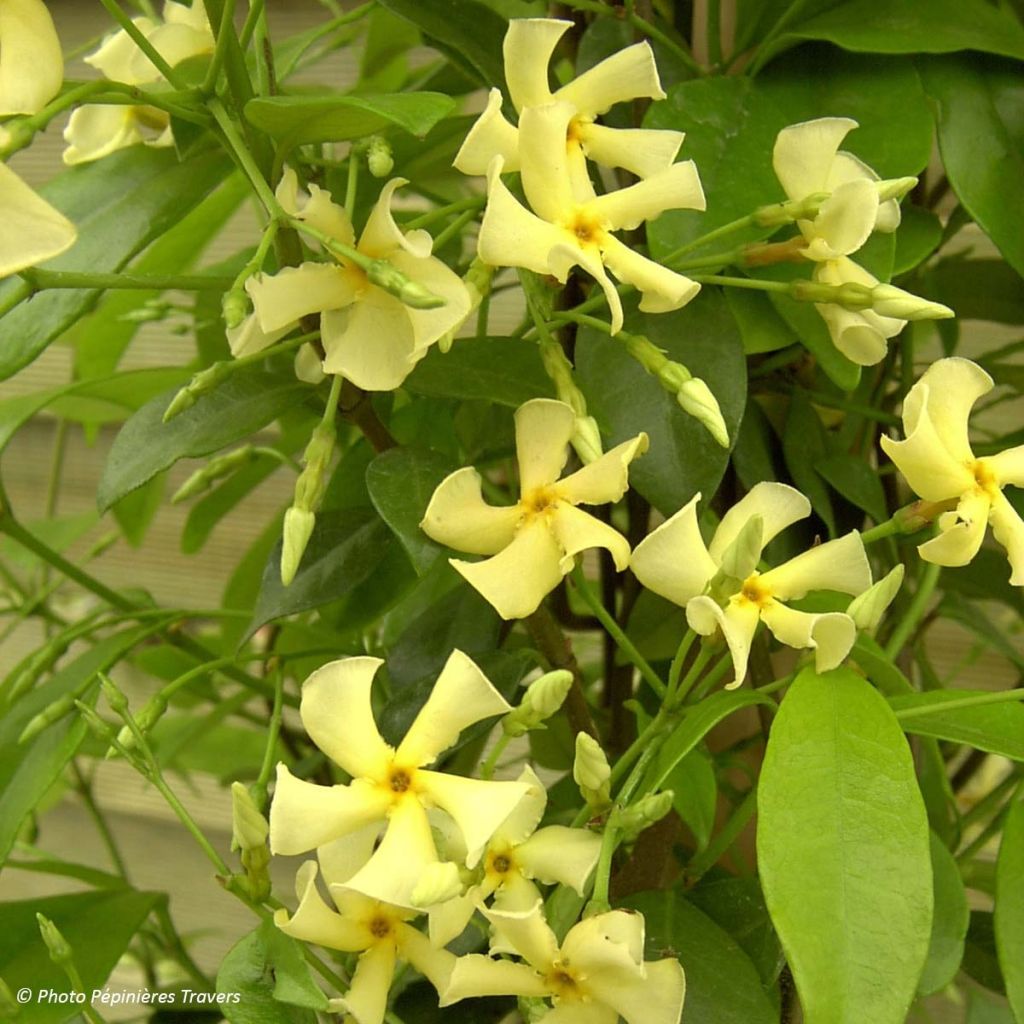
(949, 923)
(695, 794)
(843, 851)
(981, 961)
(1009, 912)
(977, 289)
(804, 444)
(996, 728)
(856, 481)
(761, 327)
(917, 237)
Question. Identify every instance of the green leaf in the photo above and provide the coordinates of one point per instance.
(842, 844)
(247, 400)
(626, 400)
(119, 205)
(981, 139)
(917, 237)
(879, 667)
(505, 370)
(401, 483)
(808, 326)
(949, 923)
(981, 961)
(97, 925)
(804, 444)
(996, 728)
(856, 481)
(55, 866)
(301, 120)
(135, 511)
(1009, 912)
(722, 985)
(977, 289)
(212, 507)
(345, 548)
(761, 327)
(984, 1009)
(695, 794)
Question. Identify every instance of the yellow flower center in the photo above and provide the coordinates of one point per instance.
(539, 501)
(586, 228)
(755, 592)
(984, 478)
(501, 863)
(380, 927)
(565, 982)
(399, 781)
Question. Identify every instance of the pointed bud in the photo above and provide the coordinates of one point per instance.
(438, 883)
(249, 829)
(47, 717)
(888, 300)
(741, 557)
(592, 772)
(56, 944)
(867, 609)
(777, 214)
(387, 276)
(696, 398)
(378, 157)
(144, 721)
(99, 728)
(543, 697)
(586, 439)
(202, 479)
(298, 528)
(673, 376)
(202, 383)
(115, 698)
(631, 821)
(894, 188)
(234, 307)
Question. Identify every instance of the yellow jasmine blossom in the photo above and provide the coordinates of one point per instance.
(533, 543)
(389, 787)
(369, 335)
(674, 562)
(31, 62)
(379, 932)
(572, 226)
(96, 130)
(627, 75)
(937, 461)
(516, 854)
(33, 231)
(597, 974)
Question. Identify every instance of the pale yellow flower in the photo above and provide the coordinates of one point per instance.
(389, 787)
(595, 976)
(33, 231)
(96, 130)
(937, 461)
(627, 75)
(370, 336)
(674, 562)
(31, 62)
(533, 543)
(379, 932)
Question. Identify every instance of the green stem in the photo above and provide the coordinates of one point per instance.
(273, 731)
(712, 236)
(915, 612)
(776, 684)
(704, 655)
(751, 283)
(890, 528)
(84, 788)
(487, 768)
(714, 676)
(352, 184)
(440, 212)
(143, 43)
(224, 32)
(40, 280)
(255, 265)
(676, 668)
(998, 697)
(256, 9)
(704, 861)
(17, 293)
(464, 218)
(714, 32)
(246, 162)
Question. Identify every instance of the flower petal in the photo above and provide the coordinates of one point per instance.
(462, 696)
(543, 429)
(341, 858)
(946, 392)
(33, 231)
(847, 167)
(606, 478)
(516, 580)
(528, 933)
(859, 334)
(840, 564)
(558, 854)
(315, 922)
(778, 505)
(115, 58)
(295, 292)
(429, 324)
(528, 48)
(95, 131)
(576, 531)
(654, 998)
(627, 74)
(845, 221)
(477, 975)
(31, 62)
(174, 42)
(490, 135)
(1008, 530)
(672, 560)
(527, 813)
(382, 236)
(447, 921)
(367, 997)
(248, 337)
(661, 290)
(962, 532)
(675, 188)
(566, 255)
(617, 935)
(516, 895)
(641, 151)
(580, 1013)
(315, 208)
(459, 518)
(738, 623)
(304, 815)
(804, 153)
(544, 160)
(415, 948)
(830, 634)
(336, 713)
(1008, 466)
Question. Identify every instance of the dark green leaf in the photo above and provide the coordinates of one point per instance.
(837, 793)
(997, 728)
(761, 327)
(804, 444)
(695, 794)
(977, 289)
(981, 961)
(211, 508)
(917, 237)
(807, 324)
(949, 923)
(879, 667)
(856, 481)
(756, 456)
(984, 1009)
(1009, 912)
(135, 511)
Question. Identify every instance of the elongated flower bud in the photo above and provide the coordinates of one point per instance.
(202, 383)
(888, 300)
(543, 697)
(592, 772)
(586, 439)
(249, 828)
(48, 716)
(202, 479)
(378, 157)
(894, 188)
(697, 399)
(56, 945)
(298, 528)
(633, 820)
(387, 276)
(867, 609)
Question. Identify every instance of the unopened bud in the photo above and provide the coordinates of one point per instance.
(438, 883)
(777, 214)
(633, 820)
(56, 944)
(672, 376)
(888, 300)
(543, 697)
(298, 528)
(387, 276)
(14, 135)
(97, 726)
(249, 828)
(918, 514)
(234, 307)
(586, 439)
(203, 382)
(645, 352)
(867, 609)
(894, 188)
(592, 772)
(115, 698)
(311, 485)
(378, 157)
(144, 721)
(47, 717)
(696, 398)
(202, 479)
(477, 280)
(741, 557)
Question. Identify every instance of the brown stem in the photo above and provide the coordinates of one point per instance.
(356, 406)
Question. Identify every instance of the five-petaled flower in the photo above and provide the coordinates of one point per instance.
(674, 562)
(389, 787)
(533, 543)
(937, 461)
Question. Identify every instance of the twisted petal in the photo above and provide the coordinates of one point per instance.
(830, 634)
(31, 62)
(528, 934)
(516, 895)
(434, 964)
(447, 921)
(655, 998)
(1008, 466)
(641, 151)
(382, 236)
(543, 429)
(1008, 530)
(558, 854)
(304, 815)
(315, 922)
(840, 564)
(294, 292)
(962, 532)
(527, 813)
(661, 290)
(675, 188)
(844, 221)
(341, 858)
(576, 531)
(778, 505)
(175, 42)
(367, 997)
(544, 160)
(569, 254)
(478, 807)
(672, 560)
(33, 231)
(847, 167)
(180, 14)
(945, 394)
(459, 518)
(617, 935)
(478, 975)
(490, 135)
(516, 580)
(95, 131)
(315, 208)
(737, 621)
(248, 337)
(804, 153)
(335, 711)
(429, 324)
(625, 75)
(528, 48)
(461, 697)
(606, 478)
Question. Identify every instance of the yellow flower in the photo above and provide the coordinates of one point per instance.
(31, 62)
(379, 932)
(389, 787)
(937, 461)
(674, 562)
(33, 231)
(597, 974)
(370, 337)
(627, 75)
(533, 543)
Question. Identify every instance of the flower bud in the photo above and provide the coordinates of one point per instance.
(249, 829)
(378, 157)
(673, 376)
(56, 944)
(741, 557)
(586, 439)
(48, 716)
(631, 821)
(438, 883)
(115, 698)
(592, 772)
(9, 1009)
(777, 214)
(888, 300)
(696, 398)
(144, 721)
(202, 479)
(298, 528)
(97, 726)
(894, 188)
(234, 307)
(387, 276)
(203, 382)
(867, 609)
(543, 697)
